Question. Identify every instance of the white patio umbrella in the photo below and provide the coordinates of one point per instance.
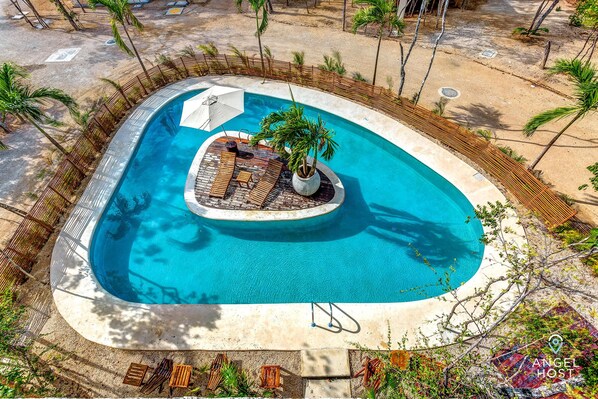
(213, 107)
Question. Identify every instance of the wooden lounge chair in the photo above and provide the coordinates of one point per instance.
(180, 377)
(215, 371)
(371, 373)
(262, 189)
(160, 375)
(270, 377)
(226, 168)
(135, 374)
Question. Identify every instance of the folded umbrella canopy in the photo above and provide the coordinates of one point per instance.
(213, 107)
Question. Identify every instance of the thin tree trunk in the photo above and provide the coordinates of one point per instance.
(554, 139)
(270, 8)
(259, 42)
(538, 12)
(18, 7)
(377, 55)
(543, 16)
(415, 34)
(50, 138)
(304, 167)
(81, 6)
(344, 14)
(436, 42)
(66, 13)
(137, 54)
(39, 18)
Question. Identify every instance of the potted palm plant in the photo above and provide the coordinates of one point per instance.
(297, 138)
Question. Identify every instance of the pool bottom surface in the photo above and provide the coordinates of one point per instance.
(401, 229)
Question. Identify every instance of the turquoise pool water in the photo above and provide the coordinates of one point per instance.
(149, 248)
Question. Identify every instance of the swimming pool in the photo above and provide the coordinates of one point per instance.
(156, 251)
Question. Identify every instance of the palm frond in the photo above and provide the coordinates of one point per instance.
(50, 93)
(547, 116)
(3, 146)
(264, 21)
(298, 58)
(581, 72)
(187, 51)
(209, 49)
(112, 83)
(118, 39)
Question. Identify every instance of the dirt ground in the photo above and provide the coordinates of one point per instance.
(499, 94)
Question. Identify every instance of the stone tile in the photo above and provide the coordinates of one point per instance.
(325, 363)
(326, 388)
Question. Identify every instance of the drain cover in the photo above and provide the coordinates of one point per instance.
(110, 42)
(449, 92)
(488, 53)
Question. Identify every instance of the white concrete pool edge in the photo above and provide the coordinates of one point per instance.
(258, 214)
(100, 317)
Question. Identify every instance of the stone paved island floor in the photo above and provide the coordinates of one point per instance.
(254, 160)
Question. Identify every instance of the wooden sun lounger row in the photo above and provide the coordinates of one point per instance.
(262, 189)
(226, 169)
(179, 375)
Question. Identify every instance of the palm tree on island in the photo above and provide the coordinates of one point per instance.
(295, 138)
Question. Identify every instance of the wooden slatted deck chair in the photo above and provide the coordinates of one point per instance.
(160, 375)
(265, 185)
(226, 168)
(180, 377)
(215, 371)
(270, 377)
(372, 377)
(135, 374)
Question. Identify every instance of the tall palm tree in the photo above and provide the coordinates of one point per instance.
(121, 13)
(23, 102)
(258, 7)
(382, 13)
(585, 78)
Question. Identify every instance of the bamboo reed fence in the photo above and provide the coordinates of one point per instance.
(36, 228)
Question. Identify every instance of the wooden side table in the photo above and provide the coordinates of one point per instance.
(244, 177)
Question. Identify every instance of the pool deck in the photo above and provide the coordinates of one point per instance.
(100, 317)
(283, 203)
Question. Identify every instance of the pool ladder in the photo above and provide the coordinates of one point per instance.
(313, 320)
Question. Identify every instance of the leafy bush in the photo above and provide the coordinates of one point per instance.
(593, 180)
(359, 77)
(512, 153)
(298, 58)
(334, 63)
(526, 32)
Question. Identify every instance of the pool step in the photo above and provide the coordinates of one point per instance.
(325, 363)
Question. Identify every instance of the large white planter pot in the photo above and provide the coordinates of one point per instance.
(306, 187)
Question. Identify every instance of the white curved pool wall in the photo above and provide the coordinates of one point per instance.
(258, 215)
(103, 318)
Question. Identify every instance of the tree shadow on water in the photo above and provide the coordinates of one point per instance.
(433, 239)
